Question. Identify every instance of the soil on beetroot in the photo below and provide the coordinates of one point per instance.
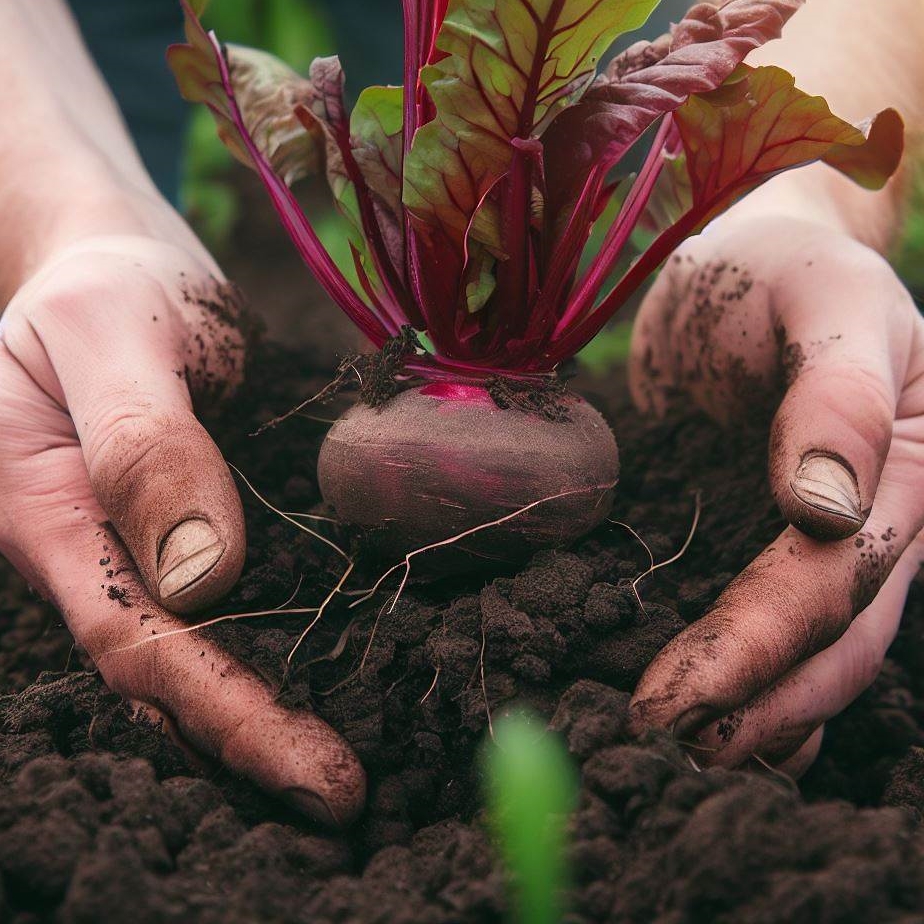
(103, 820)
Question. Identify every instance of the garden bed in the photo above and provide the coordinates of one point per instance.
(103, 820)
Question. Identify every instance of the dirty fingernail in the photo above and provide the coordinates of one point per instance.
(690, 722)
(827, 484)
(313, 805)
(188, 553)
(784, 744)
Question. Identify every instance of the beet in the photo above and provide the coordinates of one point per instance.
(441, 459)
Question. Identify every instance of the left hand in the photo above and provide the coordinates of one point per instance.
(117, 506)
(752, 304)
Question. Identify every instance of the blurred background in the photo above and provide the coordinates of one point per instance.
(225, 202)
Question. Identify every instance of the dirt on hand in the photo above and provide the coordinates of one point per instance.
(103, 819)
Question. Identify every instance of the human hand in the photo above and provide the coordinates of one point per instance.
(753, 308)
(117, 506)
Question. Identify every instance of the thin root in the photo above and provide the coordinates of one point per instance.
(406, 564)
(774, 771)
(426, 695)
(294, 593)
(310, 516)
(340, 647)
(375, 627)
(288, 517)
(647, 548)
(484, 686)
(669, 561)
(299, 610)
(326, 390)
(320, 612)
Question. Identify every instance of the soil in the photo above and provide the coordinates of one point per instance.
(102, 819)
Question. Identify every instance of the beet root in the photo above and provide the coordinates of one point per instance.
(441, 459)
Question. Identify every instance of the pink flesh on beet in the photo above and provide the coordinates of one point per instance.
(456, 391)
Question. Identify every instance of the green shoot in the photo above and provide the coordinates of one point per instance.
(531, 789)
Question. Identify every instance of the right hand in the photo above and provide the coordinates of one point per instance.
(754, 304)
(116, 505)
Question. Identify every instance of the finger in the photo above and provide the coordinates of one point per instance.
(797, 765)
(108, 346)
(793, 601)
(847, 341)
(54, 530)
(704, 331)
(778, 723)
(652, 374)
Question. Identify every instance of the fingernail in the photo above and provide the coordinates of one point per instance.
(826, 483)
(313, 805)
(189, 552)
(688, 723)
(784, 744)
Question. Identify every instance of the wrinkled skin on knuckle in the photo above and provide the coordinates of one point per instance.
(724, 660)
(121, 444)
(864, 658)
(135, 674)
(854, 385)
(67, 296)
(787, 744)
(25, 347)
(202, 317)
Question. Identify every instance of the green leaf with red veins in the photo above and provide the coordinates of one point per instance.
(640, 86)
(262, 134)
(672, 195)
(480, 280)
(375, 135)
(509, 66)
(759, 123)
(734, 138)
(872, 163)
(376, 138)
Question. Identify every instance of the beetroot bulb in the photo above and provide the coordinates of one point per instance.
(469, 195)
(447, 459)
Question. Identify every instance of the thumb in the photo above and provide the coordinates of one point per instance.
(113, 350)
(845, 341)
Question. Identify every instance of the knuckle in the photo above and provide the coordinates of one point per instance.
(216, 316)
(129, 669)
(79, 290)
(102, 638)
(869, 386)
(865, 657)
(123, 444)
(63, 301)
(856, 394)
(775, 620)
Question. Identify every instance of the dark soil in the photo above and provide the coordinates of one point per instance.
(103, 820)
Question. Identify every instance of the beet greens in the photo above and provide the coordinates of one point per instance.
(472, 191)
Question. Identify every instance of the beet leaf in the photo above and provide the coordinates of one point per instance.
(473, 190)
(732, 139)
